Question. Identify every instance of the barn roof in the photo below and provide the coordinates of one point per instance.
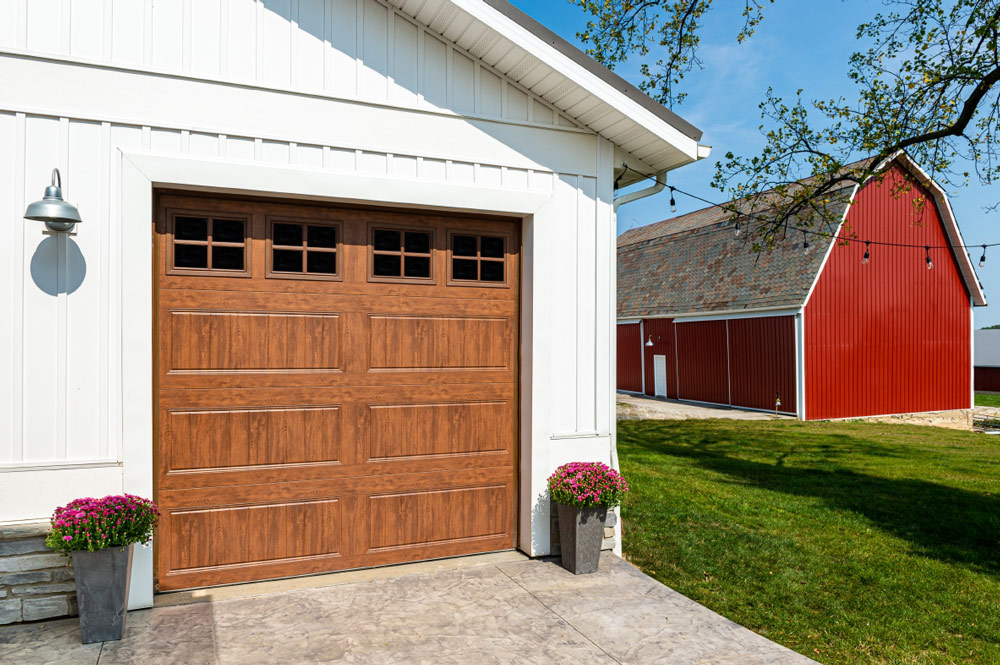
(696, 263)
(530, 54)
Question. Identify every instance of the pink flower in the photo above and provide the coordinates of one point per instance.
(67, 538)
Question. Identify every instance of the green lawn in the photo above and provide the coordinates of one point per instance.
(849, 543)
(987, 399)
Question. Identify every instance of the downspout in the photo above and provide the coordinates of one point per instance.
(658, 186)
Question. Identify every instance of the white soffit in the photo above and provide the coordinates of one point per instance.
(522, 49)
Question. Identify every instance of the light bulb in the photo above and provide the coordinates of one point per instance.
(867, 255)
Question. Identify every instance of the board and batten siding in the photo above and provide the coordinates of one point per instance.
(889, 337)
(350, 49)
(150, 86)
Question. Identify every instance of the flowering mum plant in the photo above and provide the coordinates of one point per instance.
(93, 524)
(587, 484)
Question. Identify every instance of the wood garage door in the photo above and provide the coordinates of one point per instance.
(336, 388)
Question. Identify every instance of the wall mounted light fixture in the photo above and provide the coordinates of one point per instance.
(649, 342)
(58, 215)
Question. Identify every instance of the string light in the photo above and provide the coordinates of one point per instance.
(805, 241)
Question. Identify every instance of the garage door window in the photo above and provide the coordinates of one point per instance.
(204, 244)
(477, 259)
(399, 254)
(303, 250)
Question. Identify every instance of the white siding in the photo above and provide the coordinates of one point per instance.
(986, 348)
(303, 45)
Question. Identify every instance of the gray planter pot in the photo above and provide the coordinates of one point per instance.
(581, 531)
(102, 580)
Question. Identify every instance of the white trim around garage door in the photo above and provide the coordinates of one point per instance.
(142, 171)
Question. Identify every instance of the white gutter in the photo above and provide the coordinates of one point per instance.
(660, 184)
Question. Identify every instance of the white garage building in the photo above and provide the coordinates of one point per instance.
(344, 288)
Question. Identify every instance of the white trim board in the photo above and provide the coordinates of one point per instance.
(142, 171)
(746, 315)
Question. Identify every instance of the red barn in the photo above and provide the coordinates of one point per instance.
(809, 328)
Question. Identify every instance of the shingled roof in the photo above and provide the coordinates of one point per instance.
(696, 264)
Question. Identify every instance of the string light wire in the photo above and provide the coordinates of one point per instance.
(883, 243)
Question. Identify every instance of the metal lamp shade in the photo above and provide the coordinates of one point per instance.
(57, 214)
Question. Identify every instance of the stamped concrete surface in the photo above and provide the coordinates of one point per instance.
(641, 407)
(488, 610)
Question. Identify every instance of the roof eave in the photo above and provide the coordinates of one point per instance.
(590, 75)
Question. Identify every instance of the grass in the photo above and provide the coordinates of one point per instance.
(850, 543)
(987, 399)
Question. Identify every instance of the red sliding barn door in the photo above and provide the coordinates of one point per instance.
(629, 357)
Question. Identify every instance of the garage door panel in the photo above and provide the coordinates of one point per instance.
(415, 391)
(256, 488)
(231, 535)
(415, 519)
(409, 431)
(210, 439)
(310, 422)
(439, 342)
(341, 473)
(415, 302)
(207, 340)
(441, 382)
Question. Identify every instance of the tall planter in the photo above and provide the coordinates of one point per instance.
(584, 491)
(102, 580)
(98, 535)
(581, 531)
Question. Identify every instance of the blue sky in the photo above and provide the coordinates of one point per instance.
(801, 44)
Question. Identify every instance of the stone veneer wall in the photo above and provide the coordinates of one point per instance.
(35, 582)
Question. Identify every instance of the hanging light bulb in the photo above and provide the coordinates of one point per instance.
(805, 242)
(868, 253)
(737, 228)
(927, 252)
(982, 259)
(673, 203)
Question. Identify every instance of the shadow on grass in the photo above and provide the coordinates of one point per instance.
(946, 523)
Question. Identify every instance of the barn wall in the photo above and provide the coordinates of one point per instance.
(890, 336)
(762, 362)
(629, 357)
(661, 331)
(988, 379)
(703, 361)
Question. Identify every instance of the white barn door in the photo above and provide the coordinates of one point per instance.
(659, 376)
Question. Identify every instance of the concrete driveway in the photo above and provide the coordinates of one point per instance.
(500, 608)
(641, 407)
